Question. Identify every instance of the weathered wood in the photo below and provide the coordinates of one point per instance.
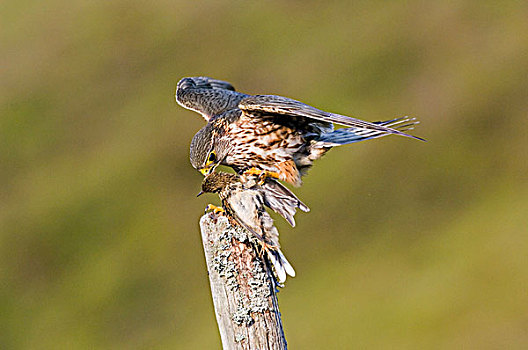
(244, 294)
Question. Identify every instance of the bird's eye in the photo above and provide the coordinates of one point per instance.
(212, 157)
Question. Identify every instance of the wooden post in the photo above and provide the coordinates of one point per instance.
(244, 294)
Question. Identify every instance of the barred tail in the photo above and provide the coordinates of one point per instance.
(280, 265)
(350, 135)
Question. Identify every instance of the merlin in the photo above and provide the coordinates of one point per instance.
(244, 201)
(269, 135)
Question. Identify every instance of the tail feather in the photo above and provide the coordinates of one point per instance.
(286, 264)
(350, 135)
(280, 265)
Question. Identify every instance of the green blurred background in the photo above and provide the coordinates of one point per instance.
(409, 244)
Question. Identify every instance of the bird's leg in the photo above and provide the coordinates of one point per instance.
(260, 250)
(262, 174)
(215, 209)
(263, 247)
(268, 246)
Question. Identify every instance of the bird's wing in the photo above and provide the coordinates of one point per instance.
(345, 136)
(247, 208)
(242, 211)
(207, 96)
(283, 106)
(281, 200)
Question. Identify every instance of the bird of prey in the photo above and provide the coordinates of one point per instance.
(270, 135)
(244, 201)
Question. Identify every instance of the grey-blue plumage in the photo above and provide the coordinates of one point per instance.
(346, 136)
(207, 96)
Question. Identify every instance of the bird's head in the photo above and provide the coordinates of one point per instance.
(205, 153)
(216, 182)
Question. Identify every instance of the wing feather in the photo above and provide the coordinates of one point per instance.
(233, 212)
(281, 200)
(278, 105)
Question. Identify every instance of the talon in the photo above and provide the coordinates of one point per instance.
(265, 175)
(219, 210)
(262, 179)
(216, 210)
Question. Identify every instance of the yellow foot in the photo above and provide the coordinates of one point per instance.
(215, 209)
(262, 174)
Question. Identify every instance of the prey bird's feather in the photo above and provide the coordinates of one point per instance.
(281, 200)
(243, 199)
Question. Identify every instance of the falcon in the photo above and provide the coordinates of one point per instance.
(268, 135)
(244, 201)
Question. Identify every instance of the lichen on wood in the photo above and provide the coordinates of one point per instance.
(242, 286)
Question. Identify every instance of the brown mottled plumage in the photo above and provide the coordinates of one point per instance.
(269, 133)
(244, 200)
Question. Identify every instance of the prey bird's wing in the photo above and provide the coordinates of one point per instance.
(246, 209)
(281, 200)
(207, 96)
(287, 107)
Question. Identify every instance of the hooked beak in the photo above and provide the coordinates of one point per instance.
(199, 194)
(208, 169)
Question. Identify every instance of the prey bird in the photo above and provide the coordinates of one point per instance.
(244, 201)
(268, 135)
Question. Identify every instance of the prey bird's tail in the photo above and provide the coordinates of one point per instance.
(280, 264)
(350, 135)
